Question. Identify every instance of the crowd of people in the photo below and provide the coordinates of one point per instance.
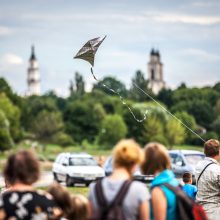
(116, 195)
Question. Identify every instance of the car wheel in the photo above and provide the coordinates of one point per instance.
(87, 184)
(55, 177)
(68, 181)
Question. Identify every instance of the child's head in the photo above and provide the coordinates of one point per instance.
(187, 178)
(61, 197)
(80, 208)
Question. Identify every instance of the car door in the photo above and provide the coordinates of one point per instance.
(63, 168)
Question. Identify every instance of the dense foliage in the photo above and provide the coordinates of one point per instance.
(101, 117)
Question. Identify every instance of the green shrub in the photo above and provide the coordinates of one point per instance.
(112, 130)
(62, 139)
(6, 141)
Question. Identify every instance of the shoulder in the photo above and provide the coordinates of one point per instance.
(139, 190)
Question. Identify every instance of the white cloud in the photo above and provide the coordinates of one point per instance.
(206, 4)
(4, 31)
(11, 59)
(202, 54)
(188, 19)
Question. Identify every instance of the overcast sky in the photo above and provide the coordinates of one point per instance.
(186, 32)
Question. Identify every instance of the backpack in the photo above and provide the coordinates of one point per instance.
(112, 211)
(187, 208)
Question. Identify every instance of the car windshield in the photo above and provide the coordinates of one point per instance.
(194, 158)
(80, 161)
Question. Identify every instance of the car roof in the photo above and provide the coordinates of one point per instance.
(186, 152)
(77, 155)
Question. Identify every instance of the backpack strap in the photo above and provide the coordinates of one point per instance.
(102, 202)
(122, 193)
(203, 172)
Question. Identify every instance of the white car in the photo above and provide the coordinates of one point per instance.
(74, 168)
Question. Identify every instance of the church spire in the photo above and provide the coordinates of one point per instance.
(33, 57)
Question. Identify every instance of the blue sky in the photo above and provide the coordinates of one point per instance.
(186, 32)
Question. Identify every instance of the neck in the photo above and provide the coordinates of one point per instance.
(21, 187)
(120, 173)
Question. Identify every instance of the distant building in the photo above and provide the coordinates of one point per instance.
(33, 78)
(155, 72)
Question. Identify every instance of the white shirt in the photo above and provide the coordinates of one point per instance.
(208, 193)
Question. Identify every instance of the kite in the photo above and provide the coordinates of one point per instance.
(87, 53)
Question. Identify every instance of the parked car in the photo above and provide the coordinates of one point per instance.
(185, 161)
(108, 167)
(74, 168)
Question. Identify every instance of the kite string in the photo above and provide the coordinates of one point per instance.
(121, 98)
(168, 112)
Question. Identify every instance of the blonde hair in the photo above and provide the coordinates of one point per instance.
(156, 159)
(80, 208)
(127, 153)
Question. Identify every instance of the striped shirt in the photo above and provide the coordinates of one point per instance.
(208, 194)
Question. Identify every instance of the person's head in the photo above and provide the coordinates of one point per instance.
(156, 159)
(62, 198)
(80, 208)
(187, 178)
(22, 167)
(127, 154)
(211, 148)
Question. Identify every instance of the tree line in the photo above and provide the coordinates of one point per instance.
(99, 116)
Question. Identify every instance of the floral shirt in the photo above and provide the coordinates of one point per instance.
(27, 205)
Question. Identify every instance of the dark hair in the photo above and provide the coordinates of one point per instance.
(80, 208)
(22, 167)
(62, 198)
(211, 148)
(156, 159)
(187, 177)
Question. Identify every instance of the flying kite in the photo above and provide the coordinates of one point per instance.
(87, 53)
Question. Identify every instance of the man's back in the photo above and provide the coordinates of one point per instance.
(208, 186)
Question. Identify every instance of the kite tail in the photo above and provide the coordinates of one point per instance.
(168, 112)
(121, 98)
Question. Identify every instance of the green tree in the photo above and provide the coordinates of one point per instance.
(165, 96)
(35, 104)
(135, 129)
(189, 121)
(77, 87)
(83, 119)
(12, 113)
(140, 81)
(112, 130)
(153, 128)
(46, 125)
(174, 132)
(111, 83)
(6, 141)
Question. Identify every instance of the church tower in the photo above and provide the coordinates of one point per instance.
(33, 79)
(155, 72)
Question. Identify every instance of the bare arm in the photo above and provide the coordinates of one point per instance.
(159, 204)
(144, 211)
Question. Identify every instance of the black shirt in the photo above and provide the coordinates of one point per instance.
(27, 205)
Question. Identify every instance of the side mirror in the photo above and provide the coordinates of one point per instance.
(64, 164)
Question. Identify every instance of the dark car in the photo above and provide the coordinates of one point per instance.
(108, 167)
(185, 161)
